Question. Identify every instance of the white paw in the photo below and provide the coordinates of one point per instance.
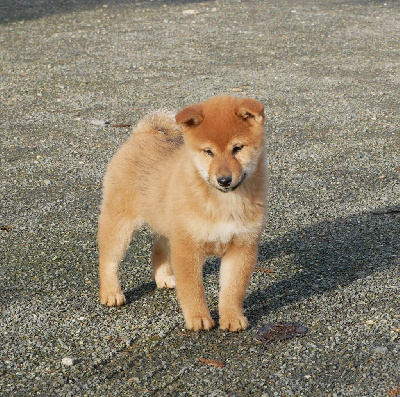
(233, 323)
(112, 298)
(196, 323)
(165, 282)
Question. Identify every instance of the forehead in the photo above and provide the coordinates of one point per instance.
(221, 131)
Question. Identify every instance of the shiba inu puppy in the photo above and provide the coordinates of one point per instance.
(200, 181)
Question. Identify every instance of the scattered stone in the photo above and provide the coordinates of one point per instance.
(379, 351)
(100, 123)
(190, 12)
(69, 361)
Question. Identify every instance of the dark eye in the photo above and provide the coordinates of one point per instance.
(237, 149)
(208, 152)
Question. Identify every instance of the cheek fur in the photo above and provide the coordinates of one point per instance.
(250, 160)
(202, 165)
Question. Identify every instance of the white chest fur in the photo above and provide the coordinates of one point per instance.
(233, 214)
(220, 232)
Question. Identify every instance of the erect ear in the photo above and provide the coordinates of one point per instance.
(248, 109)
(190, 116)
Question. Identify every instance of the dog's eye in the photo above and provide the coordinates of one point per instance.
(208, 152)
(237, 149)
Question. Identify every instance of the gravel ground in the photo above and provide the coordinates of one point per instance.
(328, 73)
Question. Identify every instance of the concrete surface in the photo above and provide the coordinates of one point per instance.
(328, 73)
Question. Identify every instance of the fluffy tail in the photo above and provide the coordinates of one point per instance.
(159, 122)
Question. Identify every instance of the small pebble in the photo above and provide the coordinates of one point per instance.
(100, 123)
(69, 361)
(190, 12)
(379, 351)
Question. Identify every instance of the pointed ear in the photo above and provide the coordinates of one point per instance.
(248, 109)
(190, 116)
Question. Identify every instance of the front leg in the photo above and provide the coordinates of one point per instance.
(236, 267)
(187, 263)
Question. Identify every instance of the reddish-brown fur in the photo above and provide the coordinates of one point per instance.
(200, 183)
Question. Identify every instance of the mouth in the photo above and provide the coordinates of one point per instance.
(227, 189)
(231, 188)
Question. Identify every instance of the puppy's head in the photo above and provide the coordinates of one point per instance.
(225, 137)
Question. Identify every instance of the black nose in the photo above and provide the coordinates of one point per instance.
(224, 181)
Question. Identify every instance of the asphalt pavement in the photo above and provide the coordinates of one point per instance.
(75, 76)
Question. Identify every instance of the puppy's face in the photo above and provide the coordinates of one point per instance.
(225, 137)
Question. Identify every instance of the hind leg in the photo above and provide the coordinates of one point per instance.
(162, 270)
(115, 234)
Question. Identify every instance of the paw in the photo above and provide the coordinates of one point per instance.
(165, 282)
(233, 323)
(196, 323)
(112, 298)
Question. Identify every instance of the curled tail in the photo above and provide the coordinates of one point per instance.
(159, 122)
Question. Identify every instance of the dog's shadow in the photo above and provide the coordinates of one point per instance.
(139, 292)
(326, 256)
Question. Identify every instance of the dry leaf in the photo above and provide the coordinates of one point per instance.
(280, 331)
(392, 392)
(264, 270)
(210, 361)
(121, 125)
